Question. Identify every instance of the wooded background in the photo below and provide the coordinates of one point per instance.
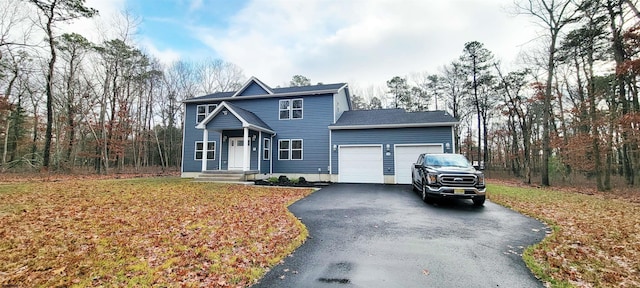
(570, 111)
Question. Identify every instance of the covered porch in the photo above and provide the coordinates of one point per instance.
(240, 136)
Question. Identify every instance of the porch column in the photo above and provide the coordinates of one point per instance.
(245, 152)
(205, 139)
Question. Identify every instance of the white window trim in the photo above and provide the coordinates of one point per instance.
(207, 110)
(301, 108)
(301, 149)
(290, 109)
(290, 149)
(266, 150)
(204, 150)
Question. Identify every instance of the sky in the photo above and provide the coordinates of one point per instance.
(362, 42)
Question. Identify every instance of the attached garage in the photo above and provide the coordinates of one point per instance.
(406, 155)
(360, 164)
(379, 146)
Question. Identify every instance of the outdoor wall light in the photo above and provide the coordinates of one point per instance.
(224, 138)
(253, 138)
(224, 112)
(447, 145)
(388, 147)
(335, 147)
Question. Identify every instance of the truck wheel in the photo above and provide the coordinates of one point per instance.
(479, 201)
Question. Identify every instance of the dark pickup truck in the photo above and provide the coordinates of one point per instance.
(439, 176)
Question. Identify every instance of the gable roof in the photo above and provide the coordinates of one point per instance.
(275, 92)
(253, 80)
(392, 118)
(247, 118)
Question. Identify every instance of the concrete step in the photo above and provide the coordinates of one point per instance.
(220, 177)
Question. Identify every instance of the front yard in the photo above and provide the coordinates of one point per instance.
(162, 231)
(596, 239)
(173, 232)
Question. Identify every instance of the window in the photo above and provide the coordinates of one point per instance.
(283, 149)
(296, 149)
(211, 150)
(266, 154)
(290, 109)
(296, 109)
(290, 149)
(204, 110)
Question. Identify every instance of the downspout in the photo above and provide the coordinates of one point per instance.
(330, 154)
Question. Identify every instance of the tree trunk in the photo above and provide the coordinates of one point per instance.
(546, 114)
(49, 91)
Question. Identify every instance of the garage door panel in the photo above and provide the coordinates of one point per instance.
(407, 155)
(360, 164)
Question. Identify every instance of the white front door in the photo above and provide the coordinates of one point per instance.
(236, 146)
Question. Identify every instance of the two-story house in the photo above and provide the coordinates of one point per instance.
(310, 131)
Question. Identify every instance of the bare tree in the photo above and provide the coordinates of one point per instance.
(553, 16)
(50, 13)
(216, 75)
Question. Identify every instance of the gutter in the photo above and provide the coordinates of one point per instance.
(402, 125)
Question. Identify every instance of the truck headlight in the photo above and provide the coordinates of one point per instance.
(432, 178)
(481, 179)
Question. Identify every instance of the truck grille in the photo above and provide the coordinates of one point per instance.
(457, 180)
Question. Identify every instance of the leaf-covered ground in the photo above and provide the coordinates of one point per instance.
(596, 239)
(143, 232)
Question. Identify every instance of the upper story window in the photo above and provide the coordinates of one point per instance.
(290, 109)
(203, 110)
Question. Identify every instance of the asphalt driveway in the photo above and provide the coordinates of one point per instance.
(368, 235)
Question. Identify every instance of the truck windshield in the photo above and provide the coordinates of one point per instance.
(446, 160)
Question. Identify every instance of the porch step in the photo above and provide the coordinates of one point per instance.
(223, 176)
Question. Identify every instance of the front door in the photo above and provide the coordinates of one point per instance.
(236, 160)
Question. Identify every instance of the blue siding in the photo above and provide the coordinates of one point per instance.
(317, 116)
(190, 137)
(224, 122)
(253, 89)
(431, 135)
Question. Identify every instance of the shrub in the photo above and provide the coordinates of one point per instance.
(283, 180)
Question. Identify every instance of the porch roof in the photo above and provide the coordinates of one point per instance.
(248, 119)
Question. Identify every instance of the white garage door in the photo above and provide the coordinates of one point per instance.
(360, 164)
(405, 156)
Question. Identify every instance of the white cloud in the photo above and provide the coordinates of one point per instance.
(166, 56)
(364, 41)
(195, 5)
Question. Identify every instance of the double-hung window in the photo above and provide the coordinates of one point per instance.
(290, 109)
(203, 111)
(266, 155)
(210, 151)
(290, 149)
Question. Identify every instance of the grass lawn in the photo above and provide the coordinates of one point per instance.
(143, 232)
(596, 239)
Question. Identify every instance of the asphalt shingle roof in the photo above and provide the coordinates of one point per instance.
(398, 117)
(301, 89)
(248, 116)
